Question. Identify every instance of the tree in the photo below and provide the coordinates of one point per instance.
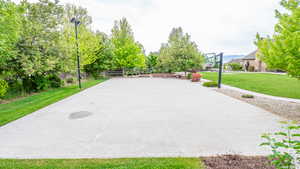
(152, 60)
(87, 38)
(180, 53)
(282, 50)
(101, 60)
(38, 55)
(10, 25)
(128, 54)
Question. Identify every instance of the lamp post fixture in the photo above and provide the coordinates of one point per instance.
(76, 23)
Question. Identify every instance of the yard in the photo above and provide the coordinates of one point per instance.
(271, 84)
(145, 163)
(19, 108)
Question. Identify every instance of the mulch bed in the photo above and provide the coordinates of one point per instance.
(236, 162)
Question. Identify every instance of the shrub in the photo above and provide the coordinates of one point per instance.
(70, 80)
(37, 83)
(285, 146)
(3, 87)
(55, 81)
(210, 84)
(236, 66)
(189, 75)
(251, 69)
(96, 75)
(247, 96)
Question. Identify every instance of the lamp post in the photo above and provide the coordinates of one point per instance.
(220, 70)
(76, 23)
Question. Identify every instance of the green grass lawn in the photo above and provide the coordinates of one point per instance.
(139, 163)
(19, 108)
(271, 84)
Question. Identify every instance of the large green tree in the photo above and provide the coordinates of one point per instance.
(152, 60)
(282, 50)
(10, 27)
(38, 48)
(128, 54)
(101, 59)
(180, 53)
(87, 38)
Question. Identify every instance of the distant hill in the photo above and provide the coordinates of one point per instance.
(228, 58)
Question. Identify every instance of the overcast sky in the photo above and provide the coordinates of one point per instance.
(227, 26)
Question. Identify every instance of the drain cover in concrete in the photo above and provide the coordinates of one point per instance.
(79, 115)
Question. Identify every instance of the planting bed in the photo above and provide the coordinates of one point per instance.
(237, 162)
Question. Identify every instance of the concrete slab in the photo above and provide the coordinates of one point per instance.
(139, 118)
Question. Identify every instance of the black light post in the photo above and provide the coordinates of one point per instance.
(220, 70)
(76, 23)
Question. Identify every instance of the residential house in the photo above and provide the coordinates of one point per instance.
(255, 64)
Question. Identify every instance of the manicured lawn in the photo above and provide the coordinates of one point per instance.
(140, 163)
(271, 84)
(19, 108)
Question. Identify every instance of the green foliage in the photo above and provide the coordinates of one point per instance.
(55, 81)
(247, 96)
(251, 68)
(180, 53)
(127, 53)
(38, 48)
(235, 66)
(281, 51)
(3, 87)
(266, 83)
(189, 76)
(37, 83)
(10, 25)
(70, 80)
(152, 61)
(129, 163)
(285, 146)
(210, 84)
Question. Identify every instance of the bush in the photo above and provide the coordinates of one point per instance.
(70, 80)
(55, 81)
(285, 146)
(3, 87)
(247, 96)
(210, 84)
(39, 82)
(251, 69)
(235, 66)
(189, 75)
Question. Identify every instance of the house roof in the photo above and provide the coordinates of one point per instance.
(235, 61)
(250, 56)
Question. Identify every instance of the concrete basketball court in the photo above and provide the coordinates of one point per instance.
(141, 117)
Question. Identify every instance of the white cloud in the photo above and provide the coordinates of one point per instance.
(215, 25)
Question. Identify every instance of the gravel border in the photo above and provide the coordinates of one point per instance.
(286, 109)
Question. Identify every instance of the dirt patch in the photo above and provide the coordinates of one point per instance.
(236, 162)
(285, 109)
